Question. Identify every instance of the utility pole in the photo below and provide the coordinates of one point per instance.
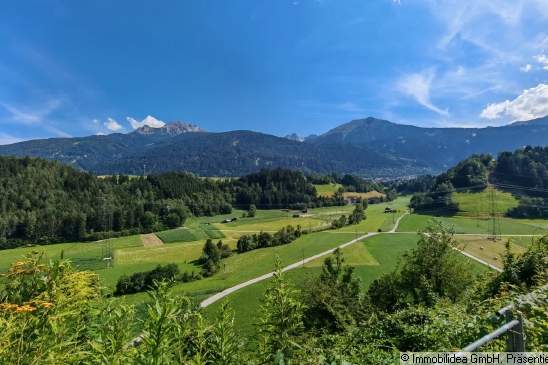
(107, 227)
(494, 229)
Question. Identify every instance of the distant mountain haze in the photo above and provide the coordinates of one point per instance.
(369, 147)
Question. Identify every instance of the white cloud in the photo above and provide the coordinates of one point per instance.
(8, 139)
(543, 61)
(36, 115)
(32, 115)
(531, 103)
(149, 120)
(112, 125)
(417, 85)
(526, 68)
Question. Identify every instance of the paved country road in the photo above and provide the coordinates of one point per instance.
(216, 297)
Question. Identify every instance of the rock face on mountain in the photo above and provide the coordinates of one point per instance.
(172, 129)
(294, 137)
(370, 147)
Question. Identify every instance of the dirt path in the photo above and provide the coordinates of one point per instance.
(498, 269)
(216, 297)
(151, 240)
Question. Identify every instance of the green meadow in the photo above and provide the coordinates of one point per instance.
(327, 190)
(508, 226)
(479, 204)
(84, 255)
(371, 258)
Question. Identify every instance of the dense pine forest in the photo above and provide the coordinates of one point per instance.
(44, 201)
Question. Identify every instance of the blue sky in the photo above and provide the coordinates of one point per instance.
(74, 68)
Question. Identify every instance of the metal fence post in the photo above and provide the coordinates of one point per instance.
(516, 337)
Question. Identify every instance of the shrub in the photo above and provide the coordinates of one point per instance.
(146, 280)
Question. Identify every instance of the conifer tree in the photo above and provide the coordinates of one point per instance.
(281, 319)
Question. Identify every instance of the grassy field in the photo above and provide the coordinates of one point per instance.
(478, 204)
(242, 267)
(371, 258)
(377, 219)
(368, 195)
(85, 255)
(185, 244)
(461, 224)
(327, 190)
(492, 251)
(195, 232)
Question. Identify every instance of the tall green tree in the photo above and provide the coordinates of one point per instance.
(281, 319)
(225, 343)
(334, 300)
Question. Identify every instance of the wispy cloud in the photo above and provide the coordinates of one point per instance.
(37, 115)
(31, 115)
(531, 103)
(417, 86)
(506, 40)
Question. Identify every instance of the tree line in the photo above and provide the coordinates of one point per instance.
(284, 236)
(357, 215)
(44, 201)
(525, 173)
(471, 174)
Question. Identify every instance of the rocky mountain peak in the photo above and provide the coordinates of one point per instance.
(171, 129)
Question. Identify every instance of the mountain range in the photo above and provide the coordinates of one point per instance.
(369, 147)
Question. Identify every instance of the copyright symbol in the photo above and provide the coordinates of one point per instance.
(404, 357)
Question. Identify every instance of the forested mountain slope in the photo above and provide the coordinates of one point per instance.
(439, 148)
(368, 147)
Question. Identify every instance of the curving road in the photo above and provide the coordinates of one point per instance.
(220, 295)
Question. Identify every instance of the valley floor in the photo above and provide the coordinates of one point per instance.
(368, 247)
